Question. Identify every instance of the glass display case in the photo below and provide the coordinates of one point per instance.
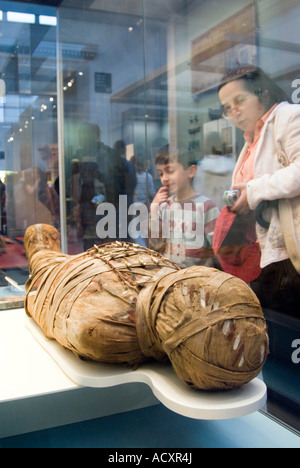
(86, 85)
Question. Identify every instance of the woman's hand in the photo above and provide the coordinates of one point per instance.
(241, 207)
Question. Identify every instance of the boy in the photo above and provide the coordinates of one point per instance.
(182, 221)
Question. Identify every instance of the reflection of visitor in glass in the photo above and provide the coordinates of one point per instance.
(214, 171)
(144, 191)
(268, 169)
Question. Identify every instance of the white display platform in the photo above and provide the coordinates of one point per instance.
(35, 394)
(162, 380)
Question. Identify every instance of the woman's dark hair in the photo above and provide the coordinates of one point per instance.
(257, 82)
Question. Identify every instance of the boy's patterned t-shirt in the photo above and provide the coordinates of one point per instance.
(187, 229)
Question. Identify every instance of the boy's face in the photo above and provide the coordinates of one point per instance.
(174, 177)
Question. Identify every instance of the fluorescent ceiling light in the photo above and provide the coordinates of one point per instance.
(1, 15)
(48, 20)
(16, 17)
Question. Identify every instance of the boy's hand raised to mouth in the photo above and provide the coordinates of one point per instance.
(161, 197)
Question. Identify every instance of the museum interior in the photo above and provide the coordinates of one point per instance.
(90, 89)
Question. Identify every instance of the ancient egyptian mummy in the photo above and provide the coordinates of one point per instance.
(123, 303)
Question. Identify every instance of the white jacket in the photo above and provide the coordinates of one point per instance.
(276, 175)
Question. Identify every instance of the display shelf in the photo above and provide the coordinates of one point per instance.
(162, 380)
(37, 395)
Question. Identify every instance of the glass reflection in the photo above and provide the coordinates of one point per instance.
(165, 73)
(28, 129)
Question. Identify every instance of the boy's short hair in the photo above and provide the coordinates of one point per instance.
(168, 155)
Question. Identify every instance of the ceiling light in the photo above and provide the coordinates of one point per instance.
(16, 17)
(48, 20)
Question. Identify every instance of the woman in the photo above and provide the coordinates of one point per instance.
(268, 169)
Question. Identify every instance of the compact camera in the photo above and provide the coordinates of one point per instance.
(230, 197)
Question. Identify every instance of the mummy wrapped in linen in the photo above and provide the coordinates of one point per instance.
(126, 304)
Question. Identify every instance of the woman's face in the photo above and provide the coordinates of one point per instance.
(245, 108)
